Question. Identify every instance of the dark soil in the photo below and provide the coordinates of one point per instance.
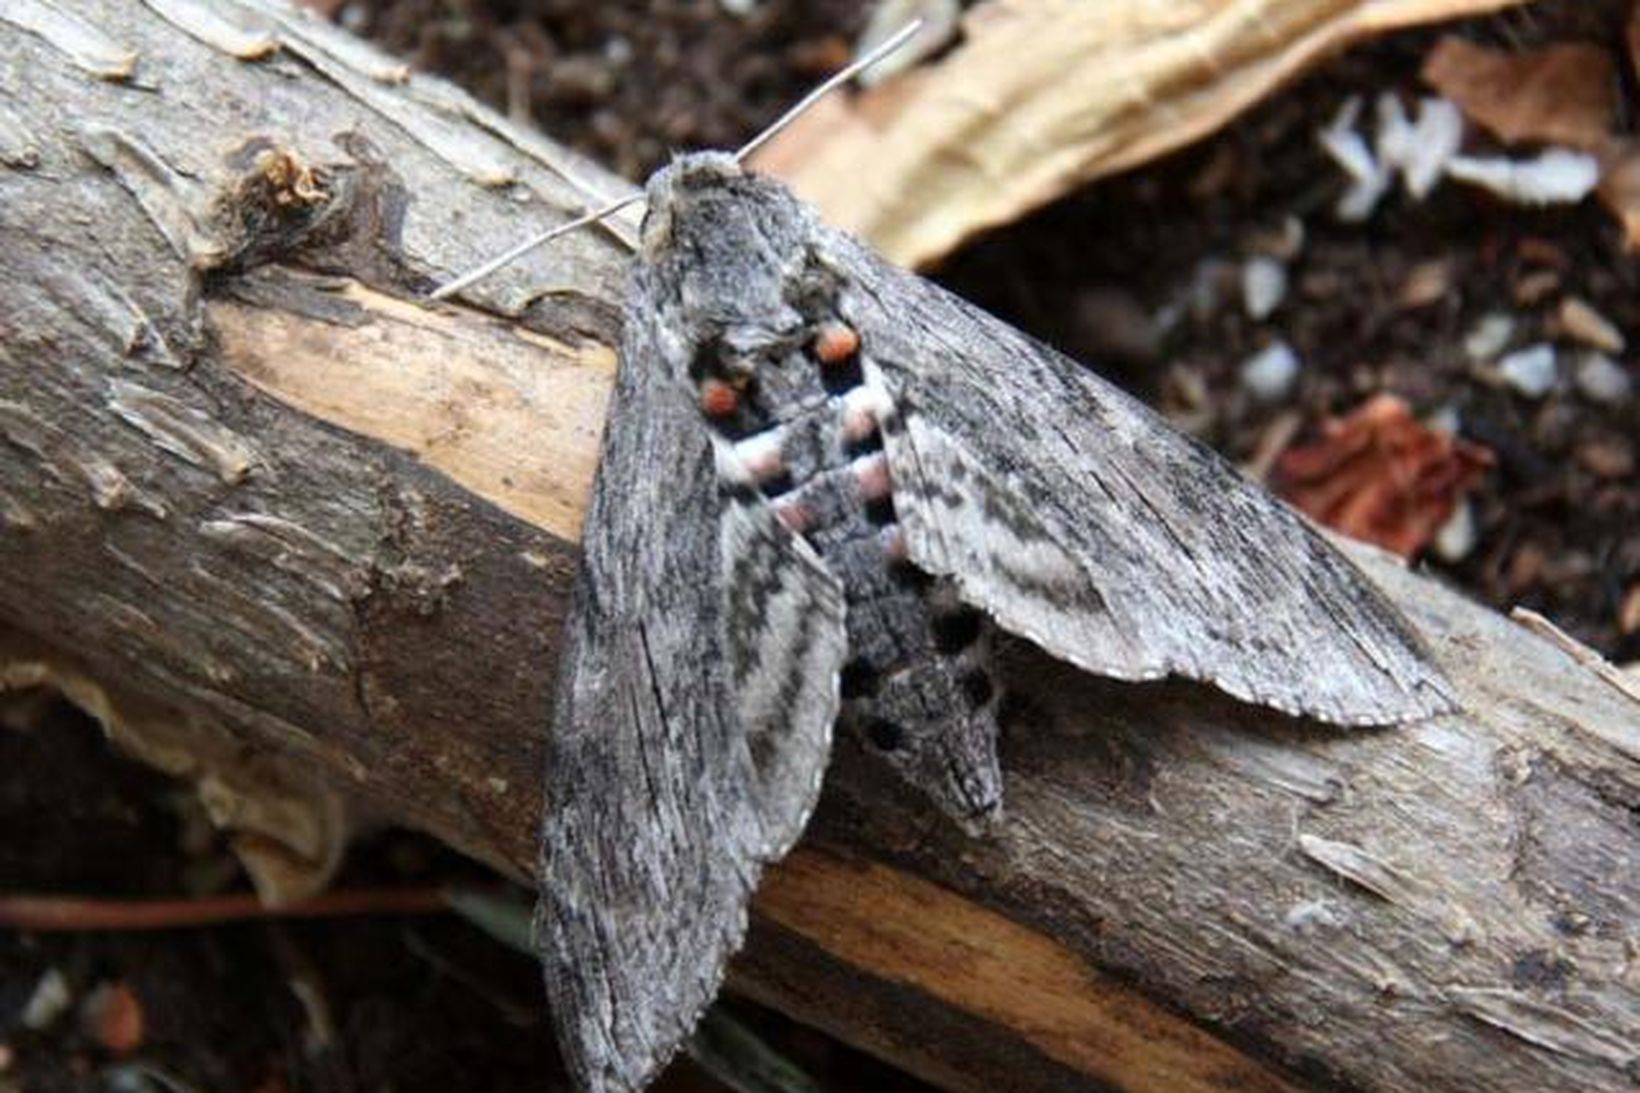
(428, 1003)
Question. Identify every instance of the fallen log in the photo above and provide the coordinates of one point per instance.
(299, 537)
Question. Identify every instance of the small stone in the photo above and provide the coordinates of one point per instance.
(50, 1000)
(1456, 538)
(1536, 287)
(1606, 457)
(1263, 287)
(1628, 615)
(1602, 379)
(1269, 374)
(1487, 338)
(1531, 371)
(1524, 569)
(1581, 322)
(1445, 420)
(1284, 244)
(1426, 283)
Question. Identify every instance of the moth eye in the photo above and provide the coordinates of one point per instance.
(858, 679)
(956, 630)
(718, 399)
(885, 734)
(977, 686)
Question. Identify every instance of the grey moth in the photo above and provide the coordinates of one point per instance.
(825, 483)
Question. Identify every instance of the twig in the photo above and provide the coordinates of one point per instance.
(67, 913)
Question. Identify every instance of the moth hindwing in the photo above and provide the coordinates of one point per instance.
(824, 481)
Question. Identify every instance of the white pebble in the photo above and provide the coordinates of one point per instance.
(1487, 338)
(1457, 536)
(50, 1000)
(1269, 374)
(1429, 146)
(1602, 379)
(1554, 177)
(1263, 286)
(1369, 179)
(1531, 371)
(1445, 420)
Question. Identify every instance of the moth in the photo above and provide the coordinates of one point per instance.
(825, 485)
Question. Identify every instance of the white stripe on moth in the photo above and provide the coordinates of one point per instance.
(760, 455)
(864, 408)
(730, 467)
(892, 541)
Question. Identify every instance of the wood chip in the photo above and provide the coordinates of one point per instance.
(1578, 320)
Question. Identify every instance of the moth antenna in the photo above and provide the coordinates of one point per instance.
(478, 273)
(837, 79)
(842, 76)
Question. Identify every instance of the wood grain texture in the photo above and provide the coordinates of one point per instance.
(273, 585)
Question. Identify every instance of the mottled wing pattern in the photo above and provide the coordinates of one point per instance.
(1079, 519)
(693, 725)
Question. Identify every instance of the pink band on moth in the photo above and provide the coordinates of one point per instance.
(795, 515)
(872, 475)
(859, 421)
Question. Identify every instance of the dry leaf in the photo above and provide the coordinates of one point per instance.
(1557, 94)
(1381, 475)
(1043, 95)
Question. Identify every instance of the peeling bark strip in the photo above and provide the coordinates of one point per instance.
(361, 625)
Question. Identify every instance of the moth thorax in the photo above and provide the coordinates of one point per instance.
(744, 392)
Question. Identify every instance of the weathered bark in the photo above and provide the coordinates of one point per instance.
(296, 536)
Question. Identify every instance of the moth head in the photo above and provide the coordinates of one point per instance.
(672, 189)
(726, 255)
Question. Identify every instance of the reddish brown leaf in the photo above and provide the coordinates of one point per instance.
(1381, 475)
(1558, 94)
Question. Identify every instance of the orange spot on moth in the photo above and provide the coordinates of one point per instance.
(892, 539)
(835, 343)
(718, 399)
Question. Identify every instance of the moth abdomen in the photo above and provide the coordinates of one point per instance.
(918, 688)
